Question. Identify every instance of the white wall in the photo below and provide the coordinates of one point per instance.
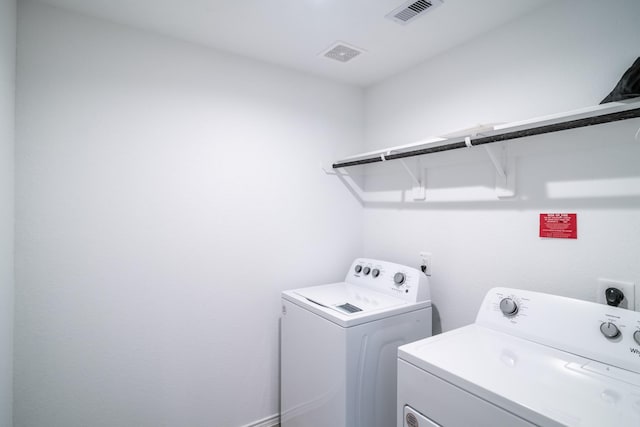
(166, 194)
(565, 56)
(7, 98)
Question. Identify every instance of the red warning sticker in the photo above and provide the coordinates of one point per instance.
(559, 225)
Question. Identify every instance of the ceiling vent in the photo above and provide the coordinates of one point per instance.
(412, 10)
(342, 52)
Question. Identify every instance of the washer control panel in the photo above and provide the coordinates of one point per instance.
(398, 280)
(606, 334)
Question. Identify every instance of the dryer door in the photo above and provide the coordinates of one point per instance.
(413, 418)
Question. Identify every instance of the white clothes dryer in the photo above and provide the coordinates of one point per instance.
(530, 359)
(339, 345)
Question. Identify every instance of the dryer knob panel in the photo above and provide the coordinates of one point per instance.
(572, 325)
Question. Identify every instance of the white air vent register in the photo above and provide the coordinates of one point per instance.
(341, 51)
(412, 10)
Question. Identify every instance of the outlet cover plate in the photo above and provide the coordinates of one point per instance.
(627, 288)
(425, 259)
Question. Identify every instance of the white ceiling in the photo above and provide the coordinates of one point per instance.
(293, 33)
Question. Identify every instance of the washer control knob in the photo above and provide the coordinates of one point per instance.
(610, 330)
(508, 307)
(636, 336)
(366, 271)
(398, 278)
(375, 272)
(358, 268)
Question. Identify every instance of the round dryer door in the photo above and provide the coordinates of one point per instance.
(413, 418)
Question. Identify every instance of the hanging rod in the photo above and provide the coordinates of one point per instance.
(460, 142)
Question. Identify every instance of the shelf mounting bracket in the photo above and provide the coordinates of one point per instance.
(418, 189)
(497, 156)
(505, 167)
(415, 180)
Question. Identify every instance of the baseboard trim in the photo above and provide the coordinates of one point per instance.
(271, 421)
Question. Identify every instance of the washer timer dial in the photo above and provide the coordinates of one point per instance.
(399, 278)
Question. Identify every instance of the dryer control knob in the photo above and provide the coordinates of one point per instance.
(375, 272)
(358, 268)
(508, 307)
(366, 270)
(609, 330)
(636, 336)
(398, 279)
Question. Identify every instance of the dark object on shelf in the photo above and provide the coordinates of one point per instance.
(628, 86)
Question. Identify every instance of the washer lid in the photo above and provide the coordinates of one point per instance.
(349, 305)
(539, 383)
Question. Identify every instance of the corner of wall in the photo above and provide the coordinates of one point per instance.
(8, 24)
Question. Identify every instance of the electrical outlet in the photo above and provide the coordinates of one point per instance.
(627, 288)
(426, 263)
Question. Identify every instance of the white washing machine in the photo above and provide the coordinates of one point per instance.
(529, 359)
(339, 345)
